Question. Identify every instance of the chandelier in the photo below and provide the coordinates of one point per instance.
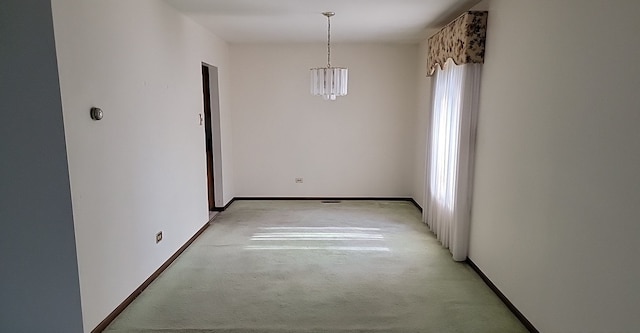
(329, 82)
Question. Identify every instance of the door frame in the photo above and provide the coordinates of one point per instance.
(214, 93)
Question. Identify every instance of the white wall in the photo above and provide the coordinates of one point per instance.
(360, 145)
(555, 213)
(142, 168)
(421, 122)
(39, 287)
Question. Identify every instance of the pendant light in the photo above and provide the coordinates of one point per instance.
(329, 82)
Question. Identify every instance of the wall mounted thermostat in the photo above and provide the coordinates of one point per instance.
(96, 113)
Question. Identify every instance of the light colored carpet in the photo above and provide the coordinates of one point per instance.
(305, 266)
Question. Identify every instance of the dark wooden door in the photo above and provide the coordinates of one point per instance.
(206, 92)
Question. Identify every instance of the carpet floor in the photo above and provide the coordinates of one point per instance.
(307, 266)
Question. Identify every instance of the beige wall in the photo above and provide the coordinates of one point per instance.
(421, 122)
(141, 169)
(555, 212)
(359, 145)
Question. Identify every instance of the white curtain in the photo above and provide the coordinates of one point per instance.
(450, 155)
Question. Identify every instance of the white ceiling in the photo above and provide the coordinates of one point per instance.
(283, 21)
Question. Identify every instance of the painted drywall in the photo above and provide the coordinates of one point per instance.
(359, 145)
(421, 125)
(555, 212)
(39, 287)
(141, 169)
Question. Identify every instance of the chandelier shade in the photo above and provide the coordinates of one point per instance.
(329, 82)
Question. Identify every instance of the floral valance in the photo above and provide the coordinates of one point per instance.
(462, 40)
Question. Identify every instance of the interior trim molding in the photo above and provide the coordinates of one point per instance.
(527, 324)
(329, 198)
(103, 324)
(415, 203)
(222, 209)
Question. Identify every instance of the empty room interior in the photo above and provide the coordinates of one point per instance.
(166, 166)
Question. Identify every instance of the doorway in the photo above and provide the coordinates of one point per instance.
(213, 151)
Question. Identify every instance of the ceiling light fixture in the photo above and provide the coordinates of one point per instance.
(329, 82)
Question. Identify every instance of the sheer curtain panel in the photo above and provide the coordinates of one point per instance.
(450, 154)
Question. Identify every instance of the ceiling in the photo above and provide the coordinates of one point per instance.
(286, 21)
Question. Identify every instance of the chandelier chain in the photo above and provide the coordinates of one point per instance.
(329, 82)
(328, 41)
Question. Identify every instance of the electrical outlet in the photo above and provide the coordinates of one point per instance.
(158, 237)
(299, 180)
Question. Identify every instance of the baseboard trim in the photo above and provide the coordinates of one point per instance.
(103, 324)
(415, 203)
(229, 204)
(329, 198)
(222, 209)
(503, 298)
